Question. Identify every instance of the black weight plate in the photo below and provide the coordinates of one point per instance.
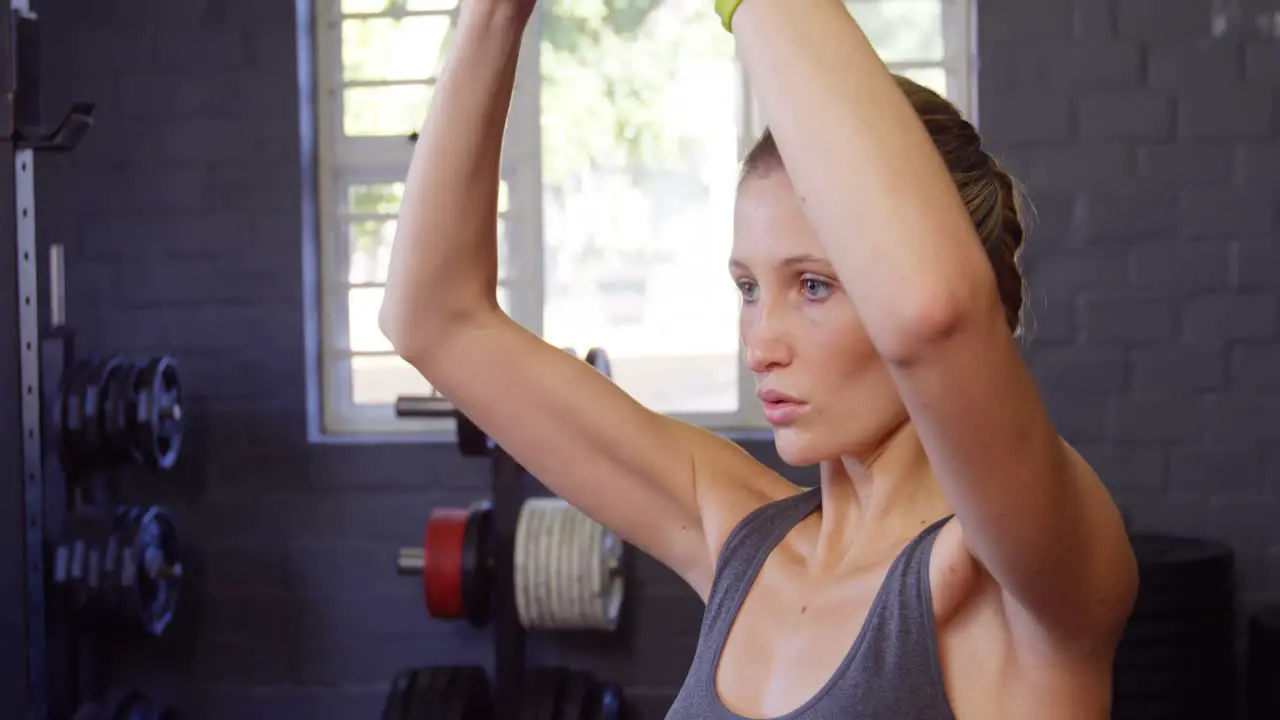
(109, 599)
(575, 694)
(457, 694)
(120, 601)
(120, 704)
(71, 416)
(476, 566)
(429, 693)
(531, 697)
(472, 441)
(87, 450)
(93, 401)
(599, 359)
(154, 597)
(552, 680)
(395, 707)
(118, 411)
(479, 704)
(158, 422)
(612, 706)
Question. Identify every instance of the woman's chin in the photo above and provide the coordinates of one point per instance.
(796, 447)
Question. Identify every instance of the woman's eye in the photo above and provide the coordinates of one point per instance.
(816, 289)
(748, 289)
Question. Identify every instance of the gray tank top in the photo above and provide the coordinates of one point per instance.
(892, 671)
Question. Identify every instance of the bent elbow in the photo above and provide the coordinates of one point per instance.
(934, 318)
(405, 341)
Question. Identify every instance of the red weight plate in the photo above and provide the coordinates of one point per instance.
(442, 563)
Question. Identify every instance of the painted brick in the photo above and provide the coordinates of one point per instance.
(1152, 160)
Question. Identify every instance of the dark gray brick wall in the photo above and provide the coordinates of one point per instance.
(1146, 142)
(1150, 152)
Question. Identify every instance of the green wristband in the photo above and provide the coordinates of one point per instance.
(725, 9)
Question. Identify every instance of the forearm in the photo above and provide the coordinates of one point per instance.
(443, 263)
(873, 185)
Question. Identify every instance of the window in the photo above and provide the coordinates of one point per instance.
(619, 170)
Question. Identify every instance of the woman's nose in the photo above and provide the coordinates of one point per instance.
(765, 340)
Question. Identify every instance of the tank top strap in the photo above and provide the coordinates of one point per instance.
(748, 545)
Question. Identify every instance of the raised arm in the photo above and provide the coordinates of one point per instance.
(890, 217)
(630, 469)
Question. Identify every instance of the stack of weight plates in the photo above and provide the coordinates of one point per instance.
(1176, 659)
(1264, 664)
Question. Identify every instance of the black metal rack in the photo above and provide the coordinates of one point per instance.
(39, 677)
(507, 495)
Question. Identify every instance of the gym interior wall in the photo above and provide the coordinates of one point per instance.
(1155, 333)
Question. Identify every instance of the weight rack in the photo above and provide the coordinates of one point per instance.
(40, 656)
(507, 494)
(510, 486)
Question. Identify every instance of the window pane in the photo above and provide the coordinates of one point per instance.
(902, 30)
(640, 131)
(355, 7)
(409, 48)
(375, 199)
(383, 111)
(504, 251)
(380, 379)
(934, 78)
(385, 198)
(363, 305)
(370, 250)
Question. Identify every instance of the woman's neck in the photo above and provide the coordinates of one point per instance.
(870, 503)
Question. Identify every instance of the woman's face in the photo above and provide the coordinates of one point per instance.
(825, 391)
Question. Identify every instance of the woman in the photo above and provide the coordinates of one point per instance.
(958, 558)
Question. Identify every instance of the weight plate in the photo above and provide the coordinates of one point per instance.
(575, 696)
(427, 693)
(158, 422)
(396, 706)
(1263, 665)
(93, 399)
(552, 680)
(477, 563)
(599, 359)
(442, 563)
(453, 703)
(611, 703)
(531, 697)
(1176, 656)
(118, 409)
(472, 441)
(151, 570)
(70, 420)
(479, 701)
(122, 704)
(567, 569)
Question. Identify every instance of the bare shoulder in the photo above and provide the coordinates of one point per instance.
(731, 484)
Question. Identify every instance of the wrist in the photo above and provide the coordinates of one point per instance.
(726, 9)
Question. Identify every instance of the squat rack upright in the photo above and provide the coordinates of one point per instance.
(37, 667)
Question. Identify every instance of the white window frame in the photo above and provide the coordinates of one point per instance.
(341, 161)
